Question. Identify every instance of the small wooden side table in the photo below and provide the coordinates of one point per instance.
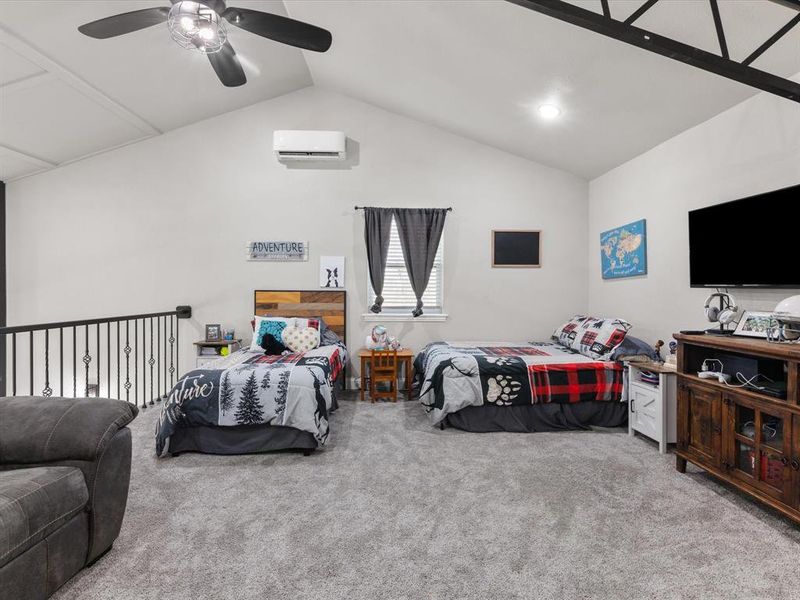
(404, 356)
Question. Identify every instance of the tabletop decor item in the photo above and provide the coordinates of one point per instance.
(754, 324)
(379, 339)
(623, 251)
(213, 332)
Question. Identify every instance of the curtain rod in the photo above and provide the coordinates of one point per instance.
(448, 209)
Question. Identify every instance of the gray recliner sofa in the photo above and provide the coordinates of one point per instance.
(65, 467)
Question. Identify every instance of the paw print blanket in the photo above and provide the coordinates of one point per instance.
(455, 375)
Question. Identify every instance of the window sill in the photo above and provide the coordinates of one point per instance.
(388, 317)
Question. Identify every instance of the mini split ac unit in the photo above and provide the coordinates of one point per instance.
(291, 146)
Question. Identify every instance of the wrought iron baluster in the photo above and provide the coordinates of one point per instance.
(144, 363)
(158, 354)
(119, 394)
(136, 361)
(74, 362)
(127, 361)
(87, 358)
(13, 364)
(47, 391)
(164, 366)
(171, 351)
(151, 362)
(108, 358)
(31, 361)
(97, 327)
(61, 360)
(177, 349)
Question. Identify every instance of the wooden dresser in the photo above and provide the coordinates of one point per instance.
(741, 435)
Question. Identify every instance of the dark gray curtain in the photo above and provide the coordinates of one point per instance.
(420, 231)
(377, 225)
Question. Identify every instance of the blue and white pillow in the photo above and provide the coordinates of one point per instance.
(264, 325)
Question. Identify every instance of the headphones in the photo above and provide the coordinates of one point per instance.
(723, 315)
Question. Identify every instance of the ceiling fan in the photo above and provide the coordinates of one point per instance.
(201, 26)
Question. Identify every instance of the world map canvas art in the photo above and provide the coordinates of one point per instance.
(623, 251)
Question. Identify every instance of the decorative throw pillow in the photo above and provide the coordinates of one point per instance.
(312, 323)
(263, 325)
(597, 338)
(565, 335)
(301, 339)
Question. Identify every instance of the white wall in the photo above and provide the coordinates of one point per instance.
(165, 222)
(751, 148)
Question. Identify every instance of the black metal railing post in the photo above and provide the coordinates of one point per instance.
(47, 391)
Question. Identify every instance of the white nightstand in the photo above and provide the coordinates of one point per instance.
(204, 359)
(652, 407)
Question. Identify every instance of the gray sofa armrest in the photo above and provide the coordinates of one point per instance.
(87, 433)
(39, 430)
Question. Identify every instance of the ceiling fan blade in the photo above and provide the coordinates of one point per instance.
(227, 66)
(124, 23)
(281, 29)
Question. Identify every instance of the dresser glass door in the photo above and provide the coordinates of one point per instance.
(760, 448)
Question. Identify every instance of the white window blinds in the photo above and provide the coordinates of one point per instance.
(397, 293)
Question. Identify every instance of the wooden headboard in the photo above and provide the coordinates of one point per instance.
(331, 305)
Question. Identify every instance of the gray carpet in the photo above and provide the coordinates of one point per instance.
(394, 509)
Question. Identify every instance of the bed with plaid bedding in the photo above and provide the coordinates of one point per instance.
(456, 375)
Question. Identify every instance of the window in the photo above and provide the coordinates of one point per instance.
(398, 297)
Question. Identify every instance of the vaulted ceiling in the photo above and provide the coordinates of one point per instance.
(477, 68)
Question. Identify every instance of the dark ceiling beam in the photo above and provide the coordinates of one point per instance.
(606, 8)
(778, 35)
(630, 34)
(640, 11)
(723, 45)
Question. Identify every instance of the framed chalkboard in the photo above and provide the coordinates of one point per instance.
(517, 248)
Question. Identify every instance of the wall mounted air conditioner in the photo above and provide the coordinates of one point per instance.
(291, 146)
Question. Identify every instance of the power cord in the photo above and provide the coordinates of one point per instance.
(751, 382)
(708, 372)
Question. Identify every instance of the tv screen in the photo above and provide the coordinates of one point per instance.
(749, 242)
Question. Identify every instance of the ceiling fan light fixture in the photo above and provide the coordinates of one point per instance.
(196, 26)
(206, 33)
(187, 23)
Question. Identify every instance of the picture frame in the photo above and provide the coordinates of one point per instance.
(213, 332)
(516, 248)
(753, 324)
(331, 272)
(623, 251)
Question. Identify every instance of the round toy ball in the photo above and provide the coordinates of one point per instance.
(224, 351)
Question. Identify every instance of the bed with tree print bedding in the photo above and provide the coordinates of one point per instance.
(570, 382)
(252, 402)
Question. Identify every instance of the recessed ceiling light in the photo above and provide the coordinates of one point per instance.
(549, 111)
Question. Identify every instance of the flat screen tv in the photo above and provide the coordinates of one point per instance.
(746, 243)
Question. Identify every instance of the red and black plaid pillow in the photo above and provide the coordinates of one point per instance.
(597, 338)
(566, 334)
